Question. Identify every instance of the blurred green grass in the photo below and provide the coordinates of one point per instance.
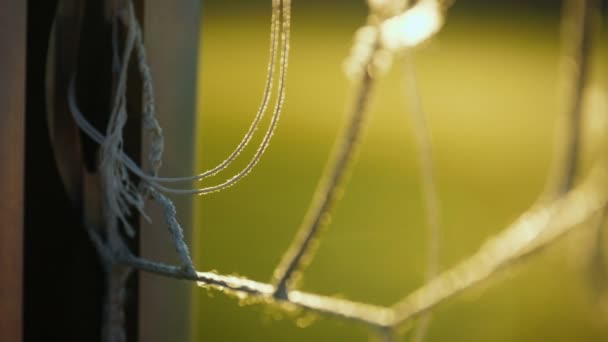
(488, 85)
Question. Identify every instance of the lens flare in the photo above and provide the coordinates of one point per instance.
(412, 27)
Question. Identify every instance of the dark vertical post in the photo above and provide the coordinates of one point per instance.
(63, 283)
(171, 32)
(12, 121)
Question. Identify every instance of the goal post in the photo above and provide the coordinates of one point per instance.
(171, 34)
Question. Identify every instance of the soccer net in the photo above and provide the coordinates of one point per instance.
(393, 31)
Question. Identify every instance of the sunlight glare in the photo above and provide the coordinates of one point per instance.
(412, 27)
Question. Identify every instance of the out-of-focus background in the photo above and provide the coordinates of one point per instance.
(490, 87)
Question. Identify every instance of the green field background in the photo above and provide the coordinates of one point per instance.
(489, 84)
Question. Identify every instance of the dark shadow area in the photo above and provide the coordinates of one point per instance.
(64, 283)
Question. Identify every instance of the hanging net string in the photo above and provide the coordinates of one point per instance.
(430, 194)
(120, 194)
(577, 30)
(280, 25)
(370, 56)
